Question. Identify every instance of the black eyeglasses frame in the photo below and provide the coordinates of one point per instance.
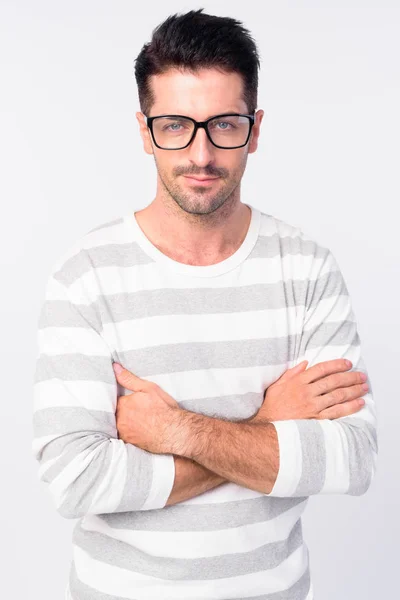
(201, 125)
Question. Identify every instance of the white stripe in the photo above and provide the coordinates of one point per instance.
(226, 492)
(290, 458)
(44, 466)
(39, 443)
(336, 307)
(211, 327)
(255, 271)
(205, 383)
(134, 586)
(70, 340)
(162, 482)
(201, 544)
(337, 476)
(93, 395)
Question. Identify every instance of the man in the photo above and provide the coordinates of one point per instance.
(192, 389)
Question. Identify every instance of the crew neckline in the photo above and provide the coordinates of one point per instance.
(219, 268)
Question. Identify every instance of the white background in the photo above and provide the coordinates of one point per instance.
(328, 161)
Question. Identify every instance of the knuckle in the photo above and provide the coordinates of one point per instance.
(312, 404)
(322, 368)
(339, 395)
(336, 380)
(323, 385)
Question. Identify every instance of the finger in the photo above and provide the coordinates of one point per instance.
(294, 371)
(325, 368)
(127, 379)
(335, 381)
(342, 410)
(340, 396)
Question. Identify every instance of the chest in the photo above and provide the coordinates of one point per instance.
(214, 348)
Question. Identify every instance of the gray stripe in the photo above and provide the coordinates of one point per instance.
(82, 490)
(130, 254)
(74, 367)
(106, 255)
(298, 591)
(368, 428)
(313, 457)
(331, 283)
(56, 447)
(62, 313)
(188, 356)
(343, 333)
(81, 493)
(139, 477)
(124, 556)
(360, 461)
(113, 308)
(204, 517)
(60, 420)
(184, 356)
(234, 354)
(276, 244)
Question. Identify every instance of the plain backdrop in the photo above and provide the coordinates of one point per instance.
(328, 161)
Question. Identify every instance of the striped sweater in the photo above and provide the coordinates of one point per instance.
(214, 337)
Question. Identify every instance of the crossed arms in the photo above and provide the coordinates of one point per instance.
(89, 470)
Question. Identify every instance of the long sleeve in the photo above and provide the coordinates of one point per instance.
(87, 468)
(323, 456)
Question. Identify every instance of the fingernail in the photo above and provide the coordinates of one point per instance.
(117, 368)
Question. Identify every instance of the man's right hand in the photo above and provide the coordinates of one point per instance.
(324, 391)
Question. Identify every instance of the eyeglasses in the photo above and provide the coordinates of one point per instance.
(175, 132)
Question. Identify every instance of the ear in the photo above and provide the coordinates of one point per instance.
(145, 134)
(255, 131)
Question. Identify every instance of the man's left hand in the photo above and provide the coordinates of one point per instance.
(144, 417)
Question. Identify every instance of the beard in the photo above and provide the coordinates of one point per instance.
(201, 200)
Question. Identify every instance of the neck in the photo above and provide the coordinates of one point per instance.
(192, 238)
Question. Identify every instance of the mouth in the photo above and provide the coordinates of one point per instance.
(200, 180)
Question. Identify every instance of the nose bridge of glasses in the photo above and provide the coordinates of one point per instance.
(197, 126)
(196, 141)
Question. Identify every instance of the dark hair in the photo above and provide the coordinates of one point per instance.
(196, 40)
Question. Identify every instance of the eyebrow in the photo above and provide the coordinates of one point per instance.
(226, 112)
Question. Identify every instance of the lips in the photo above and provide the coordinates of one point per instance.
(201, 179)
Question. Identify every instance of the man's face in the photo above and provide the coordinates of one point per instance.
(205, 94)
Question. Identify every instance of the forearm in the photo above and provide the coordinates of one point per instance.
(191, 479)
(244, 453)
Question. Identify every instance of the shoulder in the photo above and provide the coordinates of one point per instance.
(301, 255)
(89, 251)
(291, 237)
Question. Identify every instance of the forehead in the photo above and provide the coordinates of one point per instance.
(199, 95)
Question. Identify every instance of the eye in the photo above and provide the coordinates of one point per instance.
(172, 127)
(223, 125)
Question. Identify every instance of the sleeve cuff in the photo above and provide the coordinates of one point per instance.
(290, 458)
(162, 482)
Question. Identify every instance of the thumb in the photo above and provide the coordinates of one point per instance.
(127, 379)
(294, 370)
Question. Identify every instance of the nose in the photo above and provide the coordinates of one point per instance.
(201, 150)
